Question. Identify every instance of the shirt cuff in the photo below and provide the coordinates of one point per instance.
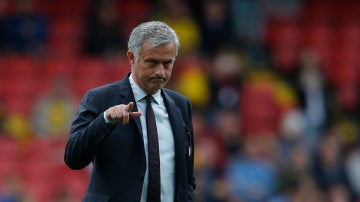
(107, 120)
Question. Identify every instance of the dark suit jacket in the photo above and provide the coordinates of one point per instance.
(117, 151)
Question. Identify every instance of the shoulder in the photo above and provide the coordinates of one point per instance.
(106, 87)
(181, 102)
(175, 95)
(112, 88)
(105, 90)
(102, 97)
(178, 99)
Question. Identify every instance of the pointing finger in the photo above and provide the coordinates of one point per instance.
(135, 115)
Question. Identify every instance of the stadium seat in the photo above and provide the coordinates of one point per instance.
(65, 37)
(319, 36)
(88, 73)
(134, 11)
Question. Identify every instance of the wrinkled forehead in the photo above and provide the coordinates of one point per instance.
(165, 52)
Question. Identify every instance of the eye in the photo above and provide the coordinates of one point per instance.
(152, 62)
(167, 64)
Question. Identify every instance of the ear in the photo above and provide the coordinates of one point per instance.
(131, 57)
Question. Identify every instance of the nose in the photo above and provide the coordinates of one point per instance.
(160, 70)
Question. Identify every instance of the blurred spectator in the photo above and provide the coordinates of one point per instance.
(54, 111)
(215, 26)
(104, 35)
(338, 193)
(18, 126)
(293, 167)
(12, 190)
(226, 78)
(284, 8)
(198, 90)
(328, 166)
(64, 195)
(266, 98)
(313, 96)
(209, 162)
(307, 191)
(211, 186)
(4, 34)
(28, 29)
(227, 129)
(251, 174)
(176, 13)
(352, 168)
(298, 161)
(249, 33)
(3, 114)
(292, 126)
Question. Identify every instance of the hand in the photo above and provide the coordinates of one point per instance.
(122, 113)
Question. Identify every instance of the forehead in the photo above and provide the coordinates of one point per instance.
(165, 51)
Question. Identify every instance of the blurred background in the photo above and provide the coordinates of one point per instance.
(274, 86)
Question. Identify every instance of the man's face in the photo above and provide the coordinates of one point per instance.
(154, 66)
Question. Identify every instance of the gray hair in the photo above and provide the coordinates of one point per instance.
(156, 32)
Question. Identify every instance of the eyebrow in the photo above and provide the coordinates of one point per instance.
(160, 61)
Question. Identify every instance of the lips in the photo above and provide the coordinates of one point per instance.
(157, 80)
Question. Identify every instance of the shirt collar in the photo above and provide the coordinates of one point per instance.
(140, 94)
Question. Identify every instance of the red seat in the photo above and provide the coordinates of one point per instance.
(342, 74)
(348, 35)
(69, 9)
(347, 10)
(9, 149)
(39, 167)
(65, 37)
(283, 40)
(55, 65)
(20, 66)
(347, 97)
(41, 189)
(258, 109)
(319, 36)
(117, 68)
(9, 156)
(317, 10)
(76, 180)
(135, 12)
(88, 73)
(283, 31)
(285, 58)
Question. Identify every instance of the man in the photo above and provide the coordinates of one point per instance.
(112, 131)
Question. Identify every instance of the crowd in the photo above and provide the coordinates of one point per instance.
(274, 86)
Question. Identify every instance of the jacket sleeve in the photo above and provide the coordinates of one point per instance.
(87, 132)
(190, 167)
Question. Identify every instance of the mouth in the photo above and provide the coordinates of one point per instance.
(157, 80)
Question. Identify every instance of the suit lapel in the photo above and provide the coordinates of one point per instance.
(177, 124)
(128, 96)
(175, 117)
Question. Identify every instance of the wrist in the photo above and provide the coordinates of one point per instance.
(107, 120)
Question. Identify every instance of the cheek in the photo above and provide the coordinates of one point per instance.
(168, 72)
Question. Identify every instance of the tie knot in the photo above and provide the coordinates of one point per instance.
(148, 99)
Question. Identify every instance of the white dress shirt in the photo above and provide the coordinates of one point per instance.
(166, 142)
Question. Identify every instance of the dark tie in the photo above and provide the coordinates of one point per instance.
(154, 159)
